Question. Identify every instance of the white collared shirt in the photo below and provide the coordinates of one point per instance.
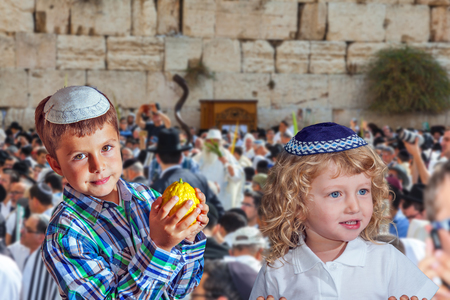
(363, 271)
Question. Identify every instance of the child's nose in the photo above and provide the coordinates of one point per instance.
(96, 164)
(353, 204)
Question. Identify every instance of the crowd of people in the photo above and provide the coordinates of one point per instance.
(231, 169)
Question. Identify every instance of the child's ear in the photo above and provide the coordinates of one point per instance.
(54, 164)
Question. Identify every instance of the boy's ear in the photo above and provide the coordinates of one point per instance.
(54, 164)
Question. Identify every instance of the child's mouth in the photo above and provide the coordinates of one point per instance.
(352, 224)
(101, 181)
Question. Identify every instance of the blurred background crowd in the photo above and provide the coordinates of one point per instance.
(231, 168)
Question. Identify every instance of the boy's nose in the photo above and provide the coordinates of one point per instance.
(96, 164)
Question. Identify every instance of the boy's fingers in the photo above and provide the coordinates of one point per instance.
(165, 209)
(188, 220)
(392, 298)
(200, 195)
(156, 205)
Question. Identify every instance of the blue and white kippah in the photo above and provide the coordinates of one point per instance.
(323, 138)
(75, 103)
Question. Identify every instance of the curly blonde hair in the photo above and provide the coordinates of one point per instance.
(284, 210)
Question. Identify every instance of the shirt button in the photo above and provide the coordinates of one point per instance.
(106, 205)
(333, 267)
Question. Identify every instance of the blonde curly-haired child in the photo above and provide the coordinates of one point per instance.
(322, 207)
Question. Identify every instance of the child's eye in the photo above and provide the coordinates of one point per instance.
(79, 157)
(363, 192)
(106, 148)
(335, 194)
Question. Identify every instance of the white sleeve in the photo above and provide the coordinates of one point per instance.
(264, 286)
(407, 279)
(11, 223)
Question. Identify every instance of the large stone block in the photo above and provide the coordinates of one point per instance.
(135, 53)
(241, 86)
(345, 91)
(160, 85)
(199, 18)
(16, 15)
(168, 17)
(44, 83)
(313, 21)
(14, 87)
(440, 24)
(124, 88)
(356, 22)
(293, 57)
(434, 2)
(179, 51)
(301, 90)
(255, 19)
(7, 51)
(222, 55)
(101, 17)
(143, 17)
(327, 57)
(258, 57)
(408, 23)
(81, 52)
(35, 50)
(52, 16)
(359, 55)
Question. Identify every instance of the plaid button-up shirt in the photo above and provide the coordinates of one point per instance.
(99, 250)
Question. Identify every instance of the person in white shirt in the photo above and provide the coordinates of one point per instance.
(7, 176)
(10, 278)
(223, 170)
(247, 247)
(282, 128)
(322, 208)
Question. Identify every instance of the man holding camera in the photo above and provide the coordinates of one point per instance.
(158, 121)
(419, 164)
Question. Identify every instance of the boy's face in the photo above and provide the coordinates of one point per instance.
(91, 164)
(339, 208)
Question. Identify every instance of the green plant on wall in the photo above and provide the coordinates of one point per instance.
(196, 69)
(407, 79)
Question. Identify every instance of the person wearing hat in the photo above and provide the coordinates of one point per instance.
(258, 182)
(168, 154)
(247, 247)
(133, 171)
(110, 239)
(399, 172)
(220, 167)
(323, 206)
(261, 152)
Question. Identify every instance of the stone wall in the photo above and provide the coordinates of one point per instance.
(306, 56)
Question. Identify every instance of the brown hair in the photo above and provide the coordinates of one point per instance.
(432, 189)
(51, 133)
(284, 208)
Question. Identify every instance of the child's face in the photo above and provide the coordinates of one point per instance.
(91, 164)
(339, 208)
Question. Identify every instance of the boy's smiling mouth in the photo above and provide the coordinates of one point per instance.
(101, 181)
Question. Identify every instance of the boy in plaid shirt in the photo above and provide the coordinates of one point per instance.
(110, 239)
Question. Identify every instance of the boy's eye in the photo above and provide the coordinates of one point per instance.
(363, 192)
(78, 156)
(335, 194)
(106, 148)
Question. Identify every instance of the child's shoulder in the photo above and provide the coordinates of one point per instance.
(142, 191)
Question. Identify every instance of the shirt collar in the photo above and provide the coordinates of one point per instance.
(354, 255)
(168, 169)
(90, 207)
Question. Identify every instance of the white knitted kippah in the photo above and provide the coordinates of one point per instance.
(75, 103)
